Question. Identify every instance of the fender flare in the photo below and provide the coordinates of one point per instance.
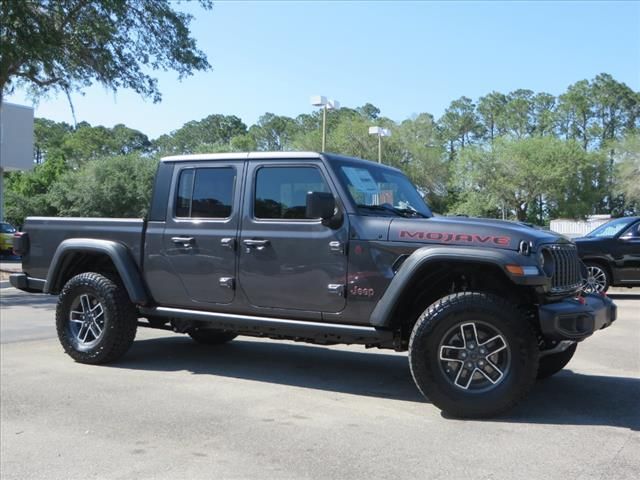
(382, 314)
(117, 252)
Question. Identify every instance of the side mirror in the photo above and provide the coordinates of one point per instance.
(320, 205)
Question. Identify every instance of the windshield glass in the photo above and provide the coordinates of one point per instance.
(7, 228)
(610, 229)
(380, 191)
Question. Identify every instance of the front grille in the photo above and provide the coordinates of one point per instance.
(566, 272)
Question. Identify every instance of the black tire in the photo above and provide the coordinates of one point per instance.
(552, 364)
(117, 324)
(598, 279)
(517, 360)
(210, 336)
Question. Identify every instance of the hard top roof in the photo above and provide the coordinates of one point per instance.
(198, 157)
(240, 156)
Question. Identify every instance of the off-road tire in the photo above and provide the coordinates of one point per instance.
(552, 364)
(210, 336)
(491, 311)
(119, 323)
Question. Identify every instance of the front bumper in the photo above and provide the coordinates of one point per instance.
(574, 319)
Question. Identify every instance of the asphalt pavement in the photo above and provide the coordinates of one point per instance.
(265, 409)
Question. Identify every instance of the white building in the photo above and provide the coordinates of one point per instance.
(577, 228)
(16, 142)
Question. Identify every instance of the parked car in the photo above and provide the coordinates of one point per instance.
(323, 249)
(611, 254)
(6, 238)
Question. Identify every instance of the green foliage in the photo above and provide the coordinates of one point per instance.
(627, 164)
(523, 176)
(118, 186)
(213, 132)
(66, 45)
(524, 155)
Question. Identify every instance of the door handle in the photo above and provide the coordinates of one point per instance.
(186, 242)
(257, 244)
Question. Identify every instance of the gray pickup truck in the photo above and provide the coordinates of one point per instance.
(324, 249)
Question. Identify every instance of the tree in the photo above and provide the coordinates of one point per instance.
(118, 186)
(65, 45)
(491, 110)
(209, 133)
(544, 116)
(627, 170)
(274, 132)
(369, 111)
(576, 112)
(518, 113)
(615, 108)
(532, 179)
(459, 124)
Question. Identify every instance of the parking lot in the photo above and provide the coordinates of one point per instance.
(266, 409)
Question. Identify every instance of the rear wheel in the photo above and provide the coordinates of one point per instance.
(552, 364)
(209, 336)
(95, 320)
(473, 355)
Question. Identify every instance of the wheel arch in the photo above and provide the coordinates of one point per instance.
(79, 255)
(431, 273)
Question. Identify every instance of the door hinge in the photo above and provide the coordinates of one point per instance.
(336, 289)
(227, 282)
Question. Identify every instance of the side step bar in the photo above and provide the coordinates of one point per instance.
(279, 327)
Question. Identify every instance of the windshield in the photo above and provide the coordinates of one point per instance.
(611, 229)
(6, 228)
(378, 190)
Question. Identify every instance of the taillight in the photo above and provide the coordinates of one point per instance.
(20, 243)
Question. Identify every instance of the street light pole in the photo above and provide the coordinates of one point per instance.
(321, 101)
(324, 127)
(380, 132)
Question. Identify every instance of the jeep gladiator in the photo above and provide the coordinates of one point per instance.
(324, 249)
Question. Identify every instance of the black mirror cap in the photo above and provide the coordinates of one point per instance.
(320, 205)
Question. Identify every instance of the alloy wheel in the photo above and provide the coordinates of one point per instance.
(474, 356)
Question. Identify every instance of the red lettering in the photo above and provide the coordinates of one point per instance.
(404, 233)
(502, 240)
(463, 237)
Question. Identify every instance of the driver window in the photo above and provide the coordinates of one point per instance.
(633, 232)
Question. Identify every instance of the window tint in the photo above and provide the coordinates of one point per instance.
(281, 192)
(205, 193)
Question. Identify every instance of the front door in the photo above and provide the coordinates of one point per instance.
(628, 246)
(200, 237)
(288, 261)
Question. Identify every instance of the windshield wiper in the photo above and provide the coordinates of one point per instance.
(403, 212)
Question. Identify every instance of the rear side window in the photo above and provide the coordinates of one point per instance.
(205, 193)
(281, 192)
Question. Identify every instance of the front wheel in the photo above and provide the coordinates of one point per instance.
(597, 280)
(473, 355)
(95, 320)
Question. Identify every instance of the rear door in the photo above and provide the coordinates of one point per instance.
(288, 261)
(199, 241)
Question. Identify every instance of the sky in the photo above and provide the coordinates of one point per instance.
(404, 57)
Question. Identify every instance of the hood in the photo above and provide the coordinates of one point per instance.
(470, 232)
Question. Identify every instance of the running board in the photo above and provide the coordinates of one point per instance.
(279, 327)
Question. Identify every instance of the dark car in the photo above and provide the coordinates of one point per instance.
(611, 254)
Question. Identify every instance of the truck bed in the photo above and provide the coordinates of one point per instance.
(46, 233)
